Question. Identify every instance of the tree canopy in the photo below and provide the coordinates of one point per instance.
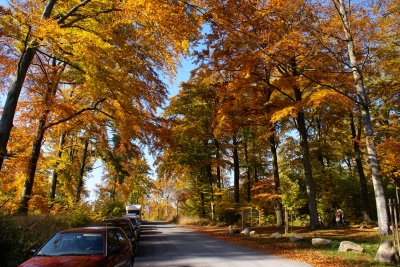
(290, 103)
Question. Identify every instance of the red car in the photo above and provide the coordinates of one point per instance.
(101, 246)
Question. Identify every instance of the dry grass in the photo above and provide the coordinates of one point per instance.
(303, 251)
(189, 220)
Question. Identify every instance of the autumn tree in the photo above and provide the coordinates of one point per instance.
(383, 91)
(349, 39)
(193, 138)
(29, 48)
(86, 37)
(244, 33)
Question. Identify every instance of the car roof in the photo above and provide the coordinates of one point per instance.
(131, 217)
(119, 219)
(90, 229)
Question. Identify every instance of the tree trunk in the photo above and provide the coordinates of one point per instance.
(211, 182)
(236, 170)
(256, 179)
(277, 201)
(28, 184)
(203, 209)
(218, 157)
(275, 167)
(113, 189)
(256, 174)
(7, 118)
(40, 131)
(360, 169)
(55, 174)
(312, 204)
(301, 127)
(25, 60)
(381, 206)
(81, 173)
(246, 156)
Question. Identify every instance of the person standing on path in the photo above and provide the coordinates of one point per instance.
(338, 218)
(341, 221)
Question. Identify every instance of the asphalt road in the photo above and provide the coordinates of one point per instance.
(163, 245)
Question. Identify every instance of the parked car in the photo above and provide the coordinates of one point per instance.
(126, 225)
(136, 224)
(84, 247)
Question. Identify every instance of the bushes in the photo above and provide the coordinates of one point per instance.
(20, 234)
(111, 209)
(9, 242)
(80, 217)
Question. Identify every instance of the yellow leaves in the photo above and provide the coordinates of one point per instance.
(48, 31)
(286, 112)
(267, 197)
(186, 46)
(389, 152)
(321, 98)
(326, 97)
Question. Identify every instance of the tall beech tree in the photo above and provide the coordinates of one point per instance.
(93, 38)
(385, 93)
(336, 74)
(346, 30)
(30, 46)
(356, 134)
(191, 115)
(51, 80)
(89, 16)
(54, 77)
(272, 32)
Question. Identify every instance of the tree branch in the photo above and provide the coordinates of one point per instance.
(75, 114)
(72, 11)
(48, 9)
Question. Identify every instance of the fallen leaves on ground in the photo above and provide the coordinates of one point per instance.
(298, 251)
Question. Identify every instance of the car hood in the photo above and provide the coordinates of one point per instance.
(63, 261)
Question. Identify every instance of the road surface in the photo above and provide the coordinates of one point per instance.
(163, 245)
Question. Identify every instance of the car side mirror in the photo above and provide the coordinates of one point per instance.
(33, 251)
(115, 250)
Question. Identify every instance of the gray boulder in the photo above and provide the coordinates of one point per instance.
(246, 231)
(276, 235)
(350, 246)
(254, 234)
(316, 242)
(387, 253)
(295, 238)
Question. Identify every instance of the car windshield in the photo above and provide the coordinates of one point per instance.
(73, 244)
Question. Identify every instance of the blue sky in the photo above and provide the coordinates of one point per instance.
(183, 75)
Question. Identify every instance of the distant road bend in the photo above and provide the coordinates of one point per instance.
(163, 245)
